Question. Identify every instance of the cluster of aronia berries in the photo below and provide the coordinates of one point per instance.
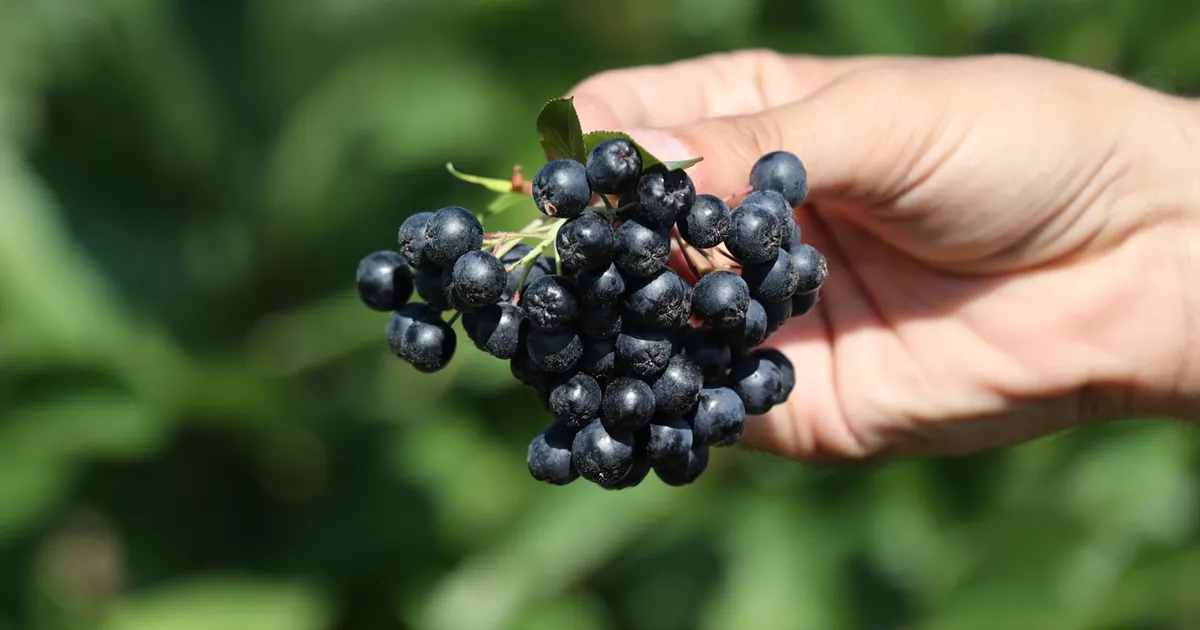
(641, 369)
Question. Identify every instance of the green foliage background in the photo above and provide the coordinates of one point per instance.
(201, 428)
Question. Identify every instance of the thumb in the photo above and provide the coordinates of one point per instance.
(851, 137)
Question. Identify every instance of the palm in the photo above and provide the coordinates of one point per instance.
(895, 348)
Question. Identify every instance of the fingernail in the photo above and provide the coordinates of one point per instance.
(661, 144)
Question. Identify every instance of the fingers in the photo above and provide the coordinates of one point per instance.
(726, 84)
(862, 137)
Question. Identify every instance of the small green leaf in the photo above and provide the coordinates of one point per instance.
(649, 161)
(490, 183)
(504, 202)
(561, 133)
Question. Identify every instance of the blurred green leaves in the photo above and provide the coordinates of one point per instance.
(224, 602)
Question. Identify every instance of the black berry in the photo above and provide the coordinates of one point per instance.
(554, 351)
(628, 404)
(600, 323)
(412, 240)
(803, 303)
(720, 299)
(384, 281)
(499, 330)
(719, 418)
(477, 279)
(752, 330)
(642, 248)
(787, 372)
(757, 382)
(549, 457)
(450, 233)
(782, 172)
(709, 353)
(778, 206)
(613, 166)
(811, 268)
(431, 287)
(600, 288)
(576, 401)
(643, 352)
(586, 242)
(658, 301)
(417, 334)
(550, 302)
(754, 234)
(777, 313)
(560, 189)
(662, 197)
(601, 456)
(678, 387)
(774, 280)
(599, 359)
(669, 441)
(687, 470)
(706, 224)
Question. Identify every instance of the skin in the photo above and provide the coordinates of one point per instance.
(1013, 243)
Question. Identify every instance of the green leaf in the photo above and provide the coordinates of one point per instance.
(490, 183)
(224, 602)
(649, 161)
(561, 133)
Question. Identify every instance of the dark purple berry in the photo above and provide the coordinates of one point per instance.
(719, 418)
(431, 287)
(687, 470)
(662, 197)
(787, 372)
(706, 224)
(642, 248)
(774, 280)
(499, 330)
(678, 387)
(412, 240)
(601, 456)
(643, 352)
(613, 166)
(560, 189)
(754, 235)
(477, 279)
(384, 281)
(555, 351)
(658, 301)
(782, 172)
(586, 242)
(550, 303)
(669, 441)
(450, 233)
(576, 401)
(549, 457)
(628, 404)
(757, 382)
(600, 288)
(811, 268)
(720, 299)
(600, 323)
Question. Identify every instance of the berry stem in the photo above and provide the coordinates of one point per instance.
(607, 203)
(740, 193)
(687, 253)
(454, 318)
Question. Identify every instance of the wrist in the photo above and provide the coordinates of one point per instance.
(1152, 340)
(1171, 385)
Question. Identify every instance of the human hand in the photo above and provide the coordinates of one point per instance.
(1008, 238)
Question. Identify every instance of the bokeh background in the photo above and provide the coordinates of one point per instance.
(202, 429)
